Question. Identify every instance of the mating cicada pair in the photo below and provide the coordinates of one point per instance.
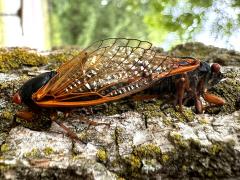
(115, 68)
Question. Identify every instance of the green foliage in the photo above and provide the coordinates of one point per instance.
(84, 21)
(81, 22)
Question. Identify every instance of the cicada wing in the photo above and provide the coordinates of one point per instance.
(112, 68)
(102, 57)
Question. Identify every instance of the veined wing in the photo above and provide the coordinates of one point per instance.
(111, 69)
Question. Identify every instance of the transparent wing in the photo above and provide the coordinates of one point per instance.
(109, 68)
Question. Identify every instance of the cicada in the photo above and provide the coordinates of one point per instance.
(113, 69)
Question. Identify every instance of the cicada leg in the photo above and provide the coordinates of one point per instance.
(213, 99)
(26, 115)
(86, 120)
(32, 119)
(198, 104)
(182, 85)
(71, 134)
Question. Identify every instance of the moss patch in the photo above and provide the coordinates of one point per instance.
(190, 157)
(132, 166)
(4, 148)
(34, 153)
(229, 91)
(14, 58)
(48, 151)
(148, 150)
(102, 155)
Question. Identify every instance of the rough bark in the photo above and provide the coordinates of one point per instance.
(136, 139)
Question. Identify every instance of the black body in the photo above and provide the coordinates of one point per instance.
(32, 85)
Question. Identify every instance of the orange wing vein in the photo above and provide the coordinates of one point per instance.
(109, 70)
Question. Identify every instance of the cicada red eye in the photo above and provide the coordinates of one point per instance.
(215, 68)
(17, 98)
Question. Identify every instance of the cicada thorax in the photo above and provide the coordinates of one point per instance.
(31, 86)
(109, 70)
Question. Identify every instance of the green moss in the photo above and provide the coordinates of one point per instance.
(193, 49)
(116, 107)
(63, 55)
(76, 157)
(117, 135)
(34, 153)
(165, 158)
(177, 139)
(102, 155)
(176, 136)
(4, 148)
(8, 115)
(150, 109)
(195, 143)
(184, 168)
(134, 163)
(4, 167)
(209, 173)
(14, 58)
(215, 149)
(130, 166)
(148, 150)
(83, 136)
(48, 151)
(120, 178)
(185, 116)
(229, 91)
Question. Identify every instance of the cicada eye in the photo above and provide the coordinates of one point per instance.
(17, 98)
(215, 68)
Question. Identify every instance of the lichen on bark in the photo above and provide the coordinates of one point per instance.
(135, 140)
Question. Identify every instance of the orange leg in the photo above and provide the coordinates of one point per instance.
(198, 105)
(182, 86)
(71, 134)
(26, 115)
(213, 99)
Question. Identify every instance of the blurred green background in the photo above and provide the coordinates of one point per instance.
(167, 22)
(163, 22)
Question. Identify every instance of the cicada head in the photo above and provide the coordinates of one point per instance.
(24, 94)
(216, 74)
(212, 73)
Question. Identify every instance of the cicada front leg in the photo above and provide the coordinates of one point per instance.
(33, 119)
(26, 115)
(213, 99)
